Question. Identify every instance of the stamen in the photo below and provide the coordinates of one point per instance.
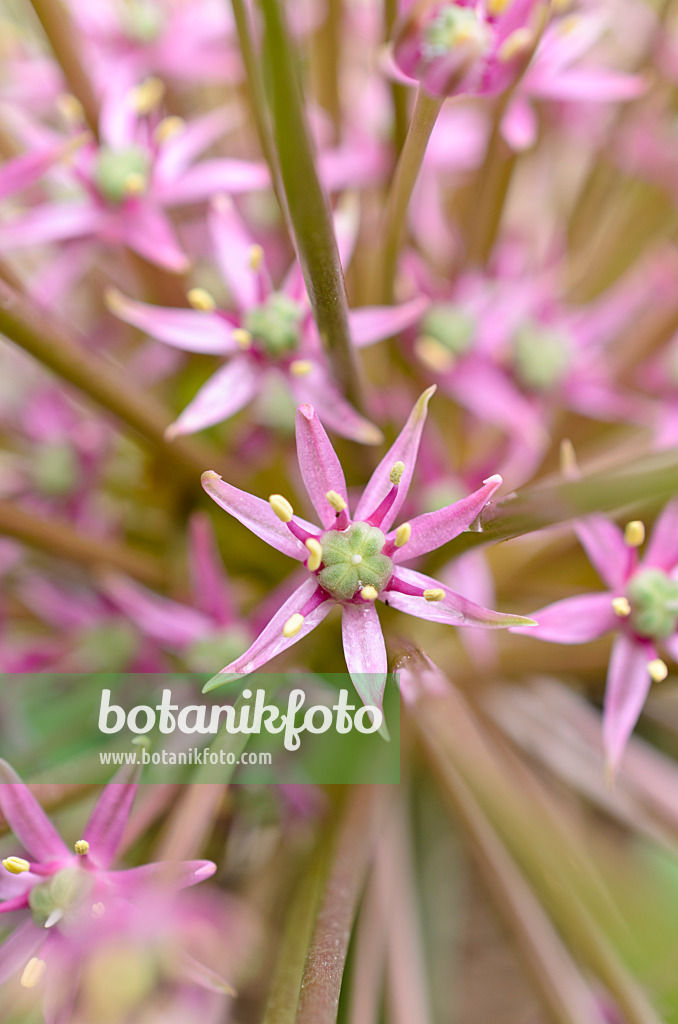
(621, 607)
(168, 128)
(134, 184)
(515, 45)
(200, 298)
(403, 534)
(369, 593)
(301, 367)
(33, 972)
(16, 865)
(242, 338)
(396, 473)
(634, 533)
(336, 501)
(255, 257)
(433, 354)
(82, 847)
(435, 594)
(497, 7)
(70, 108)
(315, 554)
(293, 625)
(658, 670)
(145, 97)
(281, 507)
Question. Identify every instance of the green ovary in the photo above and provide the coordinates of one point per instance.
(454, 26)
(143, 21)
(352, 559)
(542, 356)
(451, 326)
(653, 597)
(65, 892)
(113, 168)
(275, 324)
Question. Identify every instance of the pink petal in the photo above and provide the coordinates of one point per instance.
(167, 875)
(628, 684)
(320, 468)
(487, 392)
(224, 394)
(374, 323)
(22, 171)
(433, 529)
(404, 449)
(187, 329)
(453, 610)
(318, 390)
(27, 820)
(117, 117)
(51, 222)
(662, 548)
(209, 583)
(166, 621)
(105, 828)
(256, 515)
(603, 542)
(213, 176)
(365, 651)
(575, 620)
(520, 126)
(18, 948)
(232, 244)
(181, 149)
(148, 232)
(590, 86)
(271, 641)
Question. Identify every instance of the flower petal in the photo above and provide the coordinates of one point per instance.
(205, 179)
(320, 468)
(105, 828)
(628, 684)
(374, 323)
(51, 222)
(662, 548)
(179, 151)
(576, 620)
(188, 329)
(256, 515)
(224, 394)
(170, 623)
(166, 874)
(404, 449)
(365, 651)
(232, 245)
(271, 641)
(149, 233)
(433, 529)
(318, 390)
(209, 584)
(453, 610)
(18, 948)
(603, 542)
(27, 820)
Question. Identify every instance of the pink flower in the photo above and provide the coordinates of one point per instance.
(640, 606)
(352, 561)
(270, 332)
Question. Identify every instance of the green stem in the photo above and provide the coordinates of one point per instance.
(63, 39)
(44, 338)
(424, 116)
(307, 203)
(486, 204)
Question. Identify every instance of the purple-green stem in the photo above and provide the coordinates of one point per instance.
(424, 117)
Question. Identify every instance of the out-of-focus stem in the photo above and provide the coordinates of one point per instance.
(424, 116)
(63, 39)
(488, 195)
(307, 203)
(325, 63)
(63, 540)
(45, 339)
(399, 93)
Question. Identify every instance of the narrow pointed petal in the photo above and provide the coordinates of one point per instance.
(105, 828)
(662, 548)
(209, 583)
(375, 323)
(149, 233)
(404, 449)
(453, 610)
(316, 389)
(210, 177)
(232, 246)
(27, 820)
(51, 222)
(271, 641)
(198, 974)
(320, 468)
(61, 988)
(433, 529)
(22, 171)
(257, 515)
(365, 651)
(187, 329)
(18, 948)
(603, 542)
(225, 393)
(166, 874)
(170, 623)
(628, 684)
(180, 150)
(576, 620)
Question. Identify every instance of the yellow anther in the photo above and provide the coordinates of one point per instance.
(403, 534)
(568, 25)
(336, 501)
(255, 257)
(315, 554)
(658, 670)
(301, 367)
(281, 507)
(369, 593)
(135, 184)
(242, 338)
(497, 7)
(396, 473)
(82, 847)
(201, 299)
(634, 533)
(560, 6)
(70, 108)
(168, 128)
(434, 595)
(515, 45)
(16, 865)
(33, 972)
(621, 607)
(293, 625)
(146, 97)
(98, 910)
(433, 355)
(114, 300)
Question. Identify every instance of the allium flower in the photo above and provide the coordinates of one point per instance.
(67, 899)
(640, 606)
(353, 560)
(271, 332)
